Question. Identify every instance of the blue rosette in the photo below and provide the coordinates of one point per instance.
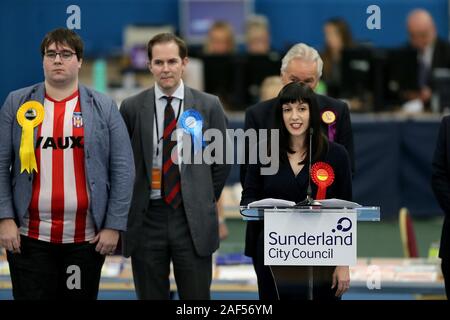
(192, 123)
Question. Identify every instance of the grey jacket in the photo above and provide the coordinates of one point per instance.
(108, 158)
(201, 184)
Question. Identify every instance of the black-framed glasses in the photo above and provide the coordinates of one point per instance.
(65, 55)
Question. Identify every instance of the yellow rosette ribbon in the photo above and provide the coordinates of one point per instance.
(29, 115)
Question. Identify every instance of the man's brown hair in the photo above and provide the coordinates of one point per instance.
(63, 36)
(164, 38)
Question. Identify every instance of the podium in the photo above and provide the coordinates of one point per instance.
(255, 214)
(298, 239)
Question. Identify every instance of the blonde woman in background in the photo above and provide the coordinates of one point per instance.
(220, 39)
(270, 87)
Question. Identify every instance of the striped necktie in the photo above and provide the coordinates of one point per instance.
(171, 174)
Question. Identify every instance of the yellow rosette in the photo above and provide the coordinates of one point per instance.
(328, 117)
(29, 115)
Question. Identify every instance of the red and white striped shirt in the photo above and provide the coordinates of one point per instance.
(59, 208)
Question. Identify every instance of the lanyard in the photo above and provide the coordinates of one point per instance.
(157, 126)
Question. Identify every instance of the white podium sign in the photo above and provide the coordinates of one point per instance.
(303, 238)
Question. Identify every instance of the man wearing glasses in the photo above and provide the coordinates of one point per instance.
(67, 195)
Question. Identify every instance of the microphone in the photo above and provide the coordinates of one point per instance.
(309, 201)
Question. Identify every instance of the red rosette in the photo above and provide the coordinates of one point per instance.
(322, 174)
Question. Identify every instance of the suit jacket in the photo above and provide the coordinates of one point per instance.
(107, 153)
(201, 184)
(440, 182)
(441, 55)
(440, 59)
(285, 185)
(261, 115)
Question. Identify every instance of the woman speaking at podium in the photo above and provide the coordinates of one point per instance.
(298, 119)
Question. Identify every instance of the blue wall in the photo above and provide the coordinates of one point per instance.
(302, 20)
(23, 24)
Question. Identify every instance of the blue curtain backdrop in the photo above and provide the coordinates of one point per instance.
(24, 23)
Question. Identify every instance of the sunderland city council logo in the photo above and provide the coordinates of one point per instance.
(344, 224)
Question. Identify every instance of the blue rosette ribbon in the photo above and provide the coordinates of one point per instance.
(192, 123)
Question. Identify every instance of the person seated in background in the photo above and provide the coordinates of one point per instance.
(270, 88)
(220, 39)
(338, 37)
(257, 35)
(218, 59)
(259, 60)
(433, 53)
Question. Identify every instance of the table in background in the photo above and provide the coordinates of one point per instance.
(398, 278)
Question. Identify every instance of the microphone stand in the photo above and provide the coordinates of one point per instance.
(309, 201)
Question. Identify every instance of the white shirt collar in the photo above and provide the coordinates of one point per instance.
(179, 92)
(427, 55)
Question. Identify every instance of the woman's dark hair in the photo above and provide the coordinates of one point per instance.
(345, 33)
(343, 29)
(297, 92)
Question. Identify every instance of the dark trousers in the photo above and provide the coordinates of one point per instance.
(165, 237)
(268, 289)
(445, 266)
(55, 271)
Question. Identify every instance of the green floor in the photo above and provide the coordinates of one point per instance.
(375, 239)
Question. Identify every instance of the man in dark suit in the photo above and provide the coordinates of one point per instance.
(173, 211)
(432, 52)
(440, 183)
(301, 63)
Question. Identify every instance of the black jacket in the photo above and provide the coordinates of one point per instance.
(441, 55)
(440, 59)
(440, 182)
(285, 185)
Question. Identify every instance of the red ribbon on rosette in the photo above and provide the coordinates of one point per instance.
(322, 174)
